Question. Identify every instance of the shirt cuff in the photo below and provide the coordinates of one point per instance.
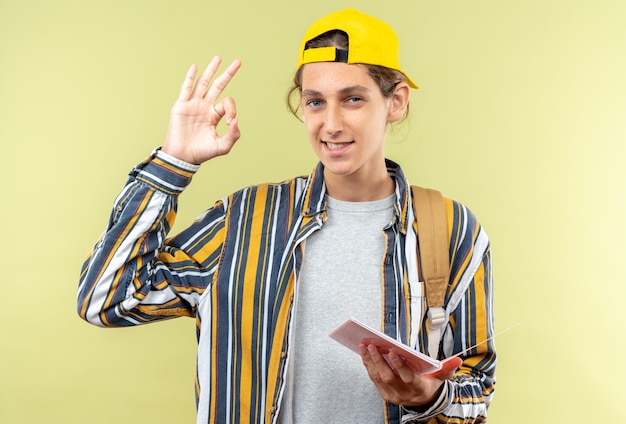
(439, 405)
(164, 172)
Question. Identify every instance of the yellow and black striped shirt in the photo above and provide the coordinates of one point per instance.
(235, 270)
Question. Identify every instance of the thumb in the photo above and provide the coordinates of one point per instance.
(226, 142)
(448, 368)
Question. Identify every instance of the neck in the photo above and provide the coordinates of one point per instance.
(354, 189)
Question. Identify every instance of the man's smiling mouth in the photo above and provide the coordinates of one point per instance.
(336, 146)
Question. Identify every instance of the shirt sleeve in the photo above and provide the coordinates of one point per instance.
(467, 396)
(134, 274)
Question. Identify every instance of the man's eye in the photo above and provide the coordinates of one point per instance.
(314, 103)
(354, 99)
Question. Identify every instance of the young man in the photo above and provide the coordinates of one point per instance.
(270, 270)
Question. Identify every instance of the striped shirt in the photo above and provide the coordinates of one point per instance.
(235, 270)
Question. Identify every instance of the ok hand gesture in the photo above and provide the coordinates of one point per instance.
(192, 133)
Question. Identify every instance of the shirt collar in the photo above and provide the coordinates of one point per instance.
(314, 202)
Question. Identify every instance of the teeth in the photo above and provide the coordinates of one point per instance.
(336, 146)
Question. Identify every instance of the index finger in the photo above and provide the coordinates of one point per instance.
(220, 83)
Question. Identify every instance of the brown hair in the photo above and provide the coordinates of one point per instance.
(386, 78)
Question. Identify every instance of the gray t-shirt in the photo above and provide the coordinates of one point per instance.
(340, 278)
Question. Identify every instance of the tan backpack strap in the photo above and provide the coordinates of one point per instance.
(434, 245)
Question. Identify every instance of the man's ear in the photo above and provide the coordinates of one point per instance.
(398, 102)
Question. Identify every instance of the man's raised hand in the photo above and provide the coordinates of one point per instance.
(192, 133)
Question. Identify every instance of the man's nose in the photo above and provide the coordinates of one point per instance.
(333, 120)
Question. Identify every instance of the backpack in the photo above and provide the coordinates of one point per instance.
(433, 244)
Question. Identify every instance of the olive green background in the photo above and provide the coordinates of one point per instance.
(521, 115)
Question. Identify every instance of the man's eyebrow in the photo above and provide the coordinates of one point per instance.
(311, 93)
(346, 90)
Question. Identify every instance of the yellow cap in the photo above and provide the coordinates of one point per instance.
(370, 41)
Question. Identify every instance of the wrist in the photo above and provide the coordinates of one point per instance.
(168, 157)
(177, 154)
(426, 412)
(164, 173)
(429, 401)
